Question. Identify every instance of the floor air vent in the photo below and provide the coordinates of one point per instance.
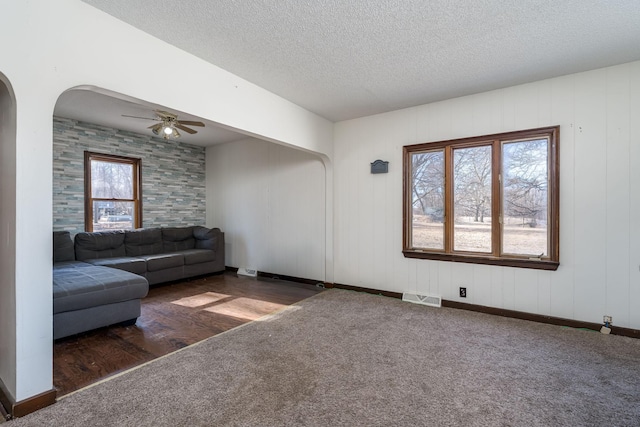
(429, 300)
(243, 271)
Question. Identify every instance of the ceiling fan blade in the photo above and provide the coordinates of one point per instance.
(144, 118)
(156, 128)
(186, 129)
(165, 114)
(190, 123)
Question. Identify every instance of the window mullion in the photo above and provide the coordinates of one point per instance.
(88, 203)
(496, 196)
(137, 193)
(100, 199)
(448, 193)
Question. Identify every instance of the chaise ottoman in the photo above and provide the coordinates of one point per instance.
(88, 296)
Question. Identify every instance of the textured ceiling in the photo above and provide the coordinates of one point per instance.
(347, 59)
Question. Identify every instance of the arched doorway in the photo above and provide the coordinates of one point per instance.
(8, 362)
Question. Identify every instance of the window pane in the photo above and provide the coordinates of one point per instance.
(472, 199)
(111, 180)
(525, 194)
(108, 215)
(428, 200)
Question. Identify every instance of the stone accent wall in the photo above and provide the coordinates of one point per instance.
(173, 174)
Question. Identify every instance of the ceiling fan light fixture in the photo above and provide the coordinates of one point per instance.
(168, 124)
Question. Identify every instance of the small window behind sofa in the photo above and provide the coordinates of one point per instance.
(112, 192)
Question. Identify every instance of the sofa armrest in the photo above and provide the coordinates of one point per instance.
(63, 250)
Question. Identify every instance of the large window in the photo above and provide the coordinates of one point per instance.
(488, 200)
(112, 192)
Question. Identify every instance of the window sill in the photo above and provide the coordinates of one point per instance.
(537, 264)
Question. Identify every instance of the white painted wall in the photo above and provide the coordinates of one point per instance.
(599, 271)
(54, 46)
(270, 202)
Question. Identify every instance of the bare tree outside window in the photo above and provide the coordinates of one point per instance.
(525, 193)
(111, 180)
(472, 199)
(428, 199)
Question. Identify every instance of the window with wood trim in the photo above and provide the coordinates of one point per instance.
(489, 200)
(112, 193)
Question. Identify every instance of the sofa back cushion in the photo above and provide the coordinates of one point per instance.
(206, 238)
(177, 239)
(63, 247)
(145, 241)
(101, 244)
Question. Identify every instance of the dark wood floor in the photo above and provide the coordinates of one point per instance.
(173, 316)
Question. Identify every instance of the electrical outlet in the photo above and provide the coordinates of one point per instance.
(607, 319)
(463, 292)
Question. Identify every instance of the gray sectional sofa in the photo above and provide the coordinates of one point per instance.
(100, 278)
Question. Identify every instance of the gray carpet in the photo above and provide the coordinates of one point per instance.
(343, 358)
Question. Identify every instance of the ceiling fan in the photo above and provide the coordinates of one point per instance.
(168, 124)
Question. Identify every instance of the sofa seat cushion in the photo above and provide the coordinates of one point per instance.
(163, 261)
(197, 256)
(130, 264)
(76, 288)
